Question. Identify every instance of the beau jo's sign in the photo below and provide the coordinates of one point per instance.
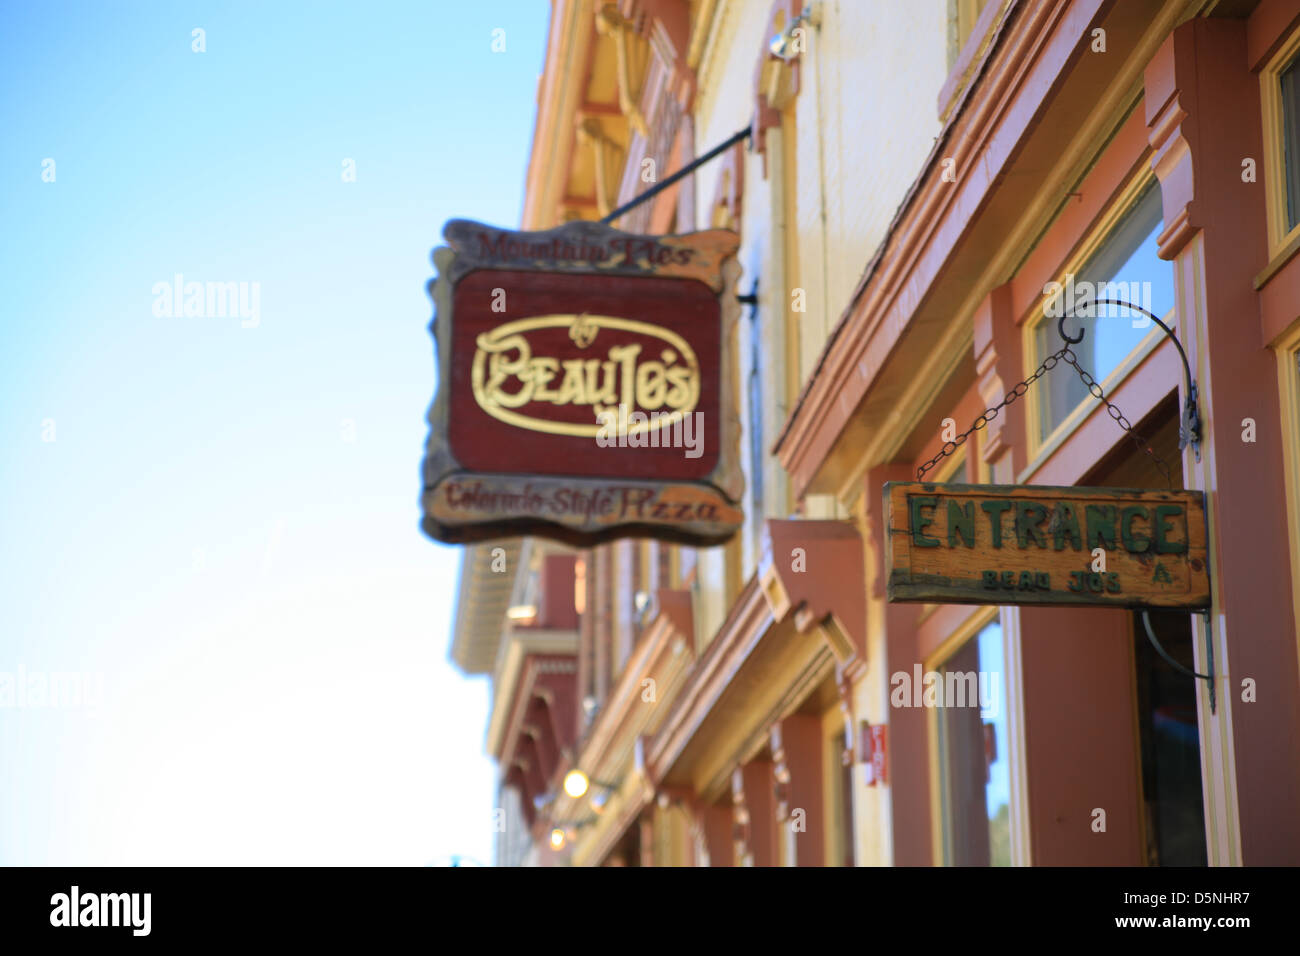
(584, 383)
(997, 544)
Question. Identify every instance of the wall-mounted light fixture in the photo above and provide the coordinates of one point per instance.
(783, 46)
(564, 834)
(577, 783)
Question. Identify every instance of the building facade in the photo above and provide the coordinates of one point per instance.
(918, 179)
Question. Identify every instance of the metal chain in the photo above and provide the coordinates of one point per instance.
(1115, 413)
(1066, 355)
(989, 414)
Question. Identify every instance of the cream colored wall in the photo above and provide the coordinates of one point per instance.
(873, 820)
(866, 118)
(855, 153)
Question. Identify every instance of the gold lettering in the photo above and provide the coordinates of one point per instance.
(572, 390)
(507, 375)
(541, 371)
(651, 386)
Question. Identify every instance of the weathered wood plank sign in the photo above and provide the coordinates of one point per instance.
(1030, 544)
(584, 388)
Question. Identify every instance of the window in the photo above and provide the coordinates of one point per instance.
(974, 772)
(1280, 98)
(952, 470)
(1289, 83)
(1123, 267)
(962, 15)
(838, 757)
(1288, 355)
(1170, 743)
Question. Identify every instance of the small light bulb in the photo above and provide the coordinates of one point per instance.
(575, 783)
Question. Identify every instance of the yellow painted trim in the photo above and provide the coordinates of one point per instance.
(789, 196)
(839, 818)
(1017, 756)
(951, 465)
(1270, 95)
(1287, 349)
(703, 24)
(1033, 320)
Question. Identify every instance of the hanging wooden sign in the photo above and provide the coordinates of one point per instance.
(1031, 544)
(585, 384)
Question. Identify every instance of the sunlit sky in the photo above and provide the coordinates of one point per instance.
(216, 520)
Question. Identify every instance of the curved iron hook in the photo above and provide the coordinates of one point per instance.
(1190, 430)
(1187, 368)
(1209, 653)
(1060, 328)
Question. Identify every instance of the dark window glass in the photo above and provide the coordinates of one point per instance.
(1170, 742)
(1291, 140)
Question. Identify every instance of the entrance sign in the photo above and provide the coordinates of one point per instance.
(585, 383)
(1034, 544)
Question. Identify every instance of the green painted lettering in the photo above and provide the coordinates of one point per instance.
(920, 522)
(1161, 528)
(1100, 520)
(1067, 526)
(1029, 515)
(961, 521)
(1133, 542)
(995, 510)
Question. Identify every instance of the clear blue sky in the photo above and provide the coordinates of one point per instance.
(252, 589)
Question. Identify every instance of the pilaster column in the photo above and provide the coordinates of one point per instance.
(1203, 117)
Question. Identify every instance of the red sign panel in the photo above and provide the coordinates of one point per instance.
(584, 386)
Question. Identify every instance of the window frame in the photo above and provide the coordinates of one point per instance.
(1287, 349)
(1280, 237)
(969, 628)
(1041, 445)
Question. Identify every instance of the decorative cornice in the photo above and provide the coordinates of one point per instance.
(606, 152)
(1172, 132)
(749, 620)
(513, 679)
(569, 45)
(815, 569)
(611, 23)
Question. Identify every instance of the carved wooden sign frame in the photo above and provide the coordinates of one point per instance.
(1038, 544)
(586, 386)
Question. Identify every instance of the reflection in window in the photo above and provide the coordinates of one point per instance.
(974, 773)
(1125, 267)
